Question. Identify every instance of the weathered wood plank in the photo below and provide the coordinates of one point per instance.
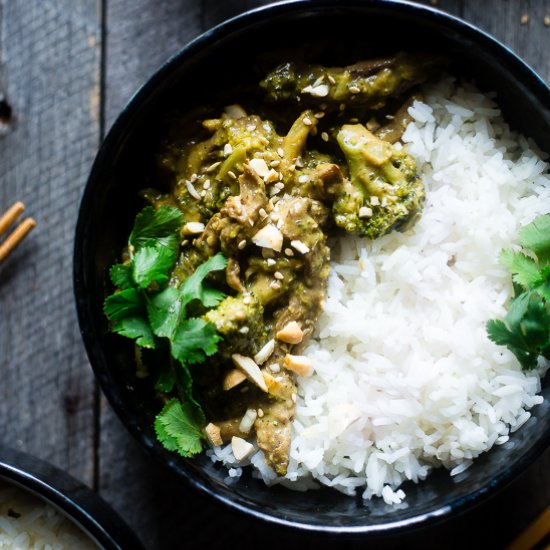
(519, 24)
(49, 72)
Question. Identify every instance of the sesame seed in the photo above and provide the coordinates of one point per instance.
(303, 178)
(274, 367)
(185, 242)
(242, 244)
(251, 127)
(244, 330)
(299, 162)
(244, 390)
(260, 413)
(354, 89)
(275, 285)
(524, 19)
(206, 184)
(275, 163)
(289, 252)
(390, 117)
(307, 121)
(227, 150)
(342, 106)
(374, 200)
(324, 136)
(193, 178)
(280, 185)
(231, 174)
(274, 190)
(212, 167)
(280, 152)
(320, 114)
(262, 212)
(293, 397)
(203, 193)
(331, 79)
(278, 275)
(264, 140)
(251, 222)
(271, 262)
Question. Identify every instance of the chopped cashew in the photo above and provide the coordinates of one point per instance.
(259, 166)
(263, 355)
(251, 369)
(299, 364)
(248, 421)
(233, 378)
(291, 333)
(269, 237)
(193, 228)
(213, 434)
(274, 386)
(241, 448)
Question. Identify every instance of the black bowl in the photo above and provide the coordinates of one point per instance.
(217, 63)
(80, 504)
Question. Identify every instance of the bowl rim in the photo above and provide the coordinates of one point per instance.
(532, 80)
(80, 504)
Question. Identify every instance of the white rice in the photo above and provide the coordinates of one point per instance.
(27, 522)
(405, 377)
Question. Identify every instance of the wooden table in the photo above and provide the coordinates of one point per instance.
(67, 67)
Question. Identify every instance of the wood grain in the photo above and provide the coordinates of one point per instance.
(49, 67)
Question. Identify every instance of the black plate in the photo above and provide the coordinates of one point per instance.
(79, 503)
(218, 62)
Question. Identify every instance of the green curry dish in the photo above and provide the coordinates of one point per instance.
(383, 192)
(368, 84)
(525, 330)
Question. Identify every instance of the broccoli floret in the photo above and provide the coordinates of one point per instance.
(383, 192)
(239, 320)
(368, 83)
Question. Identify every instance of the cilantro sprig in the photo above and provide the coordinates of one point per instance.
(156, 315)
(525, 330)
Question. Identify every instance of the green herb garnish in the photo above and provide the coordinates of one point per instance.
(156, 315)
(525, 330)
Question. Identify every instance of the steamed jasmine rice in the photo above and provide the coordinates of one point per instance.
(27, 522)
(405, 378)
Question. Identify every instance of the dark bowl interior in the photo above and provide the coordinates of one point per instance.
(220, 62)
(79, 503)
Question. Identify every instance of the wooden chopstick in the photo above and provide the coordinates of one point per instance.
(18, 234)
(533, 536)
(10, 216)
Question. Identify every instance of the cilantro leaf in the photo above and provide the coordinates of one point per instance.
(177, 428)
(137, 328)
(159, 225)
(194, 340)
(193, 289)
(153, 264)
(166, 378)
(536, 237)
(163, 310)
(524, 269)
(124, 303)
(121, 276)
